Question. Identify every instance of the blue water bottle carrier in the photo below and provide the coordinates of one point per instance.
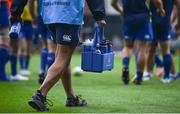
(97, 56)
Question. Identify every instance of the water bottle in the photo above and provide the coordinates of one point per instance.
(97, 49)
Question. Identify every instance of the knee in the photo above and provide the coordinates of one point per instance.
(142, 50)
(59, 67)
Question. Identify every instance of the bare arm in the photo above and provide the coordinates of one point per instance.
(31, 8)
(32, 12)
(117, 6)
(97, 8)
(174, 15)
(160, 7)
(177, 4)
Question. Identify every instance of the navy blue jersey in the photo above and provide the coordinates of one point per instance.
(157, 19)
(133, 7)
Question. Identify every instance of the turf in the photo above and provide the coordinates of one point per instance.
(104, 92)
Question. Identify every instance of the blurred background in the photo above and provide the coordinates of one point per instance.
(155, 97)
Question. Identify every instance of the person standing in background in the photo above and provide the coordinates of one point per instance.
(137, 28)
(4, 39)
(26, 35)
(47, 54)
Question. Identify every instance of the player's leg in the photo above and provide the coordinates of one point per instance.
(143, 37)
(26, 48)
(25, 56)
(28, 57)
(14, 43)
(51, 52)
(59, 68)
(176, 25)
(173, 70)
(167, 60)
(43, 60)
(54, 73)
(47, 55)
(72, 100)
(15, 19)
(4, 40)
(126, 53)
(169, 68)
(159, 66)
(141, 60)
(150, 60)
(43, 34)
(4, 52)
(21, 50)
(66, 81)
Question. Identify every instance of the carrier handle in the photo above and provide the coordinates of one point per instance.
(98, 35)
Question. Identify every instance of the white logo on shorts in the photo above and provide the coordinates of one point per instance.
(67, 38)
(126, 37)
(169, 36)
(147, 36)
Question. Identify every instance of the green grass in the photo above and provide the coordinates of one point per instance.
(104, 92)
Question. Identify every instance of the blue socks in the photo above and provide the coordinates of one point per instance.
(43, 61)
(125, 62)
(24, 62)
(21, 61)
(47, 59)
(158, 61)
(27, 59)
(139, 74)
(4, 55)
(50, 59)
(167, 62)
(13, 60)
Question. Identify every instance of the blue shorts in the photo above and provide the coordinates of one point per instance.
(161, 33)
(26, 30)
(43, 31)
(65, 34)
(4, 21)
(137, 27)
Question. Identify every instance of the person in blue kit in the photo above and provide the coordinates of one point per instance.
(47, 54)
(16, 10)
(137, 27)
(4, 39)
(25, 39)
(162, 31)
(64, 19)
(15, 16)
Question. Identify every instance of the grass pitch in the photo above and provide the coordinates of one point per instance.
(104, 92)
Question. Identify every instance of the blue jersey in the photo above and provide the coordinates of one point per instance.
(133, 7)
(162, 21)
(62, 11)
